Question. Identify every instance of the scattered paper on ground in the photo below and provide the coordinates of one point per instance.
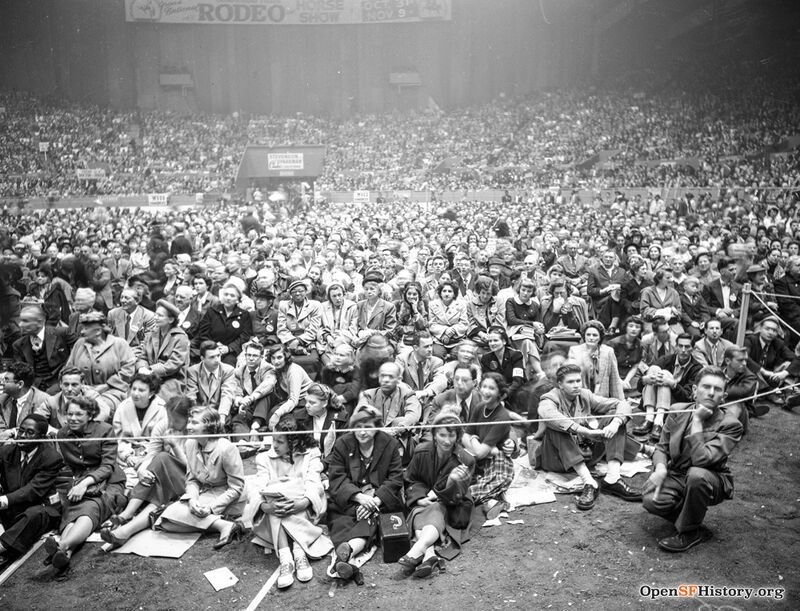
(159, 543)
(94, 538)
(528, 486)
(532, 487)
(515, 522)
(495, 522)
(562, 483)
(642, 464)
(221, 578)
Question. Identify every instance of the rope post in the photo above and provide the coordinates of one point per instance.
(746, 290)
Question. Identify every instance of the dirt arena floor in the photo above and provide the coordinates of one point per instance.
(558, 559)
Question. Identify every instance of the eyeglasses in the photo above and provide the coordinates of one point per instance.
(22, 432)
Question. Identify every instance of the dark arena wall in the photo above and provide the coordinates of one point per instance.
(85, 50)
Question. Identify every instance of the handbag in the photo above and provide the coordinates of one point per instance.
(94, 491)
(454, 495)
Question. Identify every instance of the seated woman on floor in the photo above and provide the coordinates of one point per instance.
(324, 415)
(98, 484)
(342, 375)
(289, 394)
(289, 502)
(137, 416)
(214, 481)
(437, 493)
(490, 445)
(366, 478)
(162, 475)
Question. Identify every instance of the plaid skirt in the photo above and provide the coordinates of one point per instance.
(493, 476)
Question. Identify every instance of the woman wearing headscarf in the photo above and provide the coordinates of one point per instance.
(325, 413)
(165, 350)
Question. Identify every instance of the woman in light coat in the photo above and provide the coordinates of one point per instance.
(662, 299)
(289, 502)
(137, 416)
(598, 363)
(338, 322)
(162, 475)
(214, 481)
(447, 319)
(107, 362)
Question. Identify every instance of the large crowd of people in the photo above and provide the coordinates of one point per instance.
(720, 134)
(178, 344)
(388, 357)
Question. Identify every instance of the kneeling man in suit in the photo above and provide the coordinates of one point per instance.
(691, 462)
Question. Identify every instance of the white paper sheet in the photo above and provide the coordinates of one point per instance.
(221, 578)
(159, 543)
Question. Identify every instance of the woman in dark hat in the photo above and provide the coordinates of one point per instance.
(52, 296)
(107, 362)
(265, 317)
(165, 350)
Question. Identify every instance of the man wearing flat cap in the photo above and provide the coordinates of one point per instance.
(299, 321)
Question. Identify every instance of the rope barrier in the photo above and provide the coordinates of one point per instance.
(775, 314)
(781, 295)
(261, 433)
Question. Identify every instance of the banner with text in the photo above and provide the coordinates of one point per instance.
(287, 12)
(90, 173)
(158, 199)
(284, 161)
(360, 197)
